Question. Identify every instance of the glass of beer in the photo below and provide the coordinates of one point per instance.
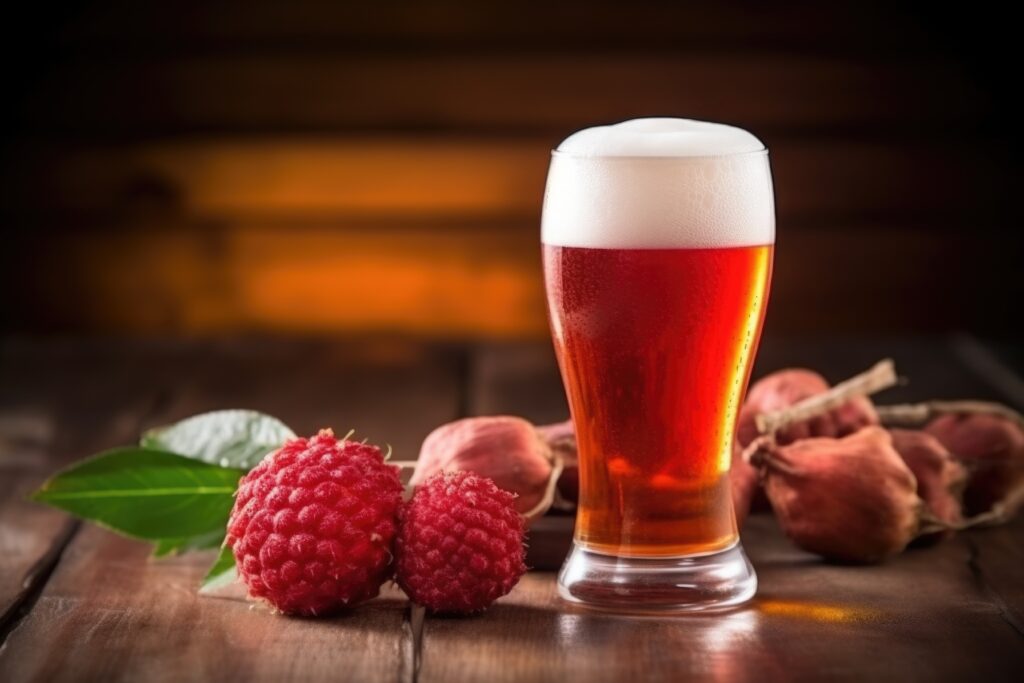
(657, 245)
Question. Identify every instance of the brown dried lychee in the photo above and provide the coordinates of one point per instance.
(854, 415)
(777, 392)
(851, 499)
(992, 448)
(940, 478)
(782, 389)
(773, 392)
(503, 448)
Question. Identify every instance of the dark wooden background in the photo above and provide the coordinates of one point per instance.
(327, 167)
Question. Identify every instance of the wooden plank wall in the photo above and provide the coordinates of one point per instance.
(190, 168)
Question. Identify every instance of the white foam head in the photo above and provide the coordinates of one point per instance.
(659, 183)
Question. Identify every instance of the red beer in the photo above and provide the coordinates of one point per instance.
(655, 347)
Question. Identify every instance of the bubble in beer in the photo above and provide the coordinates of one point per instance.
(659, 183)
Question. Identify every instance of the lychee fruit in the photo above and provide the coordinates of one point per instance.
(460, 543)
(313, 525)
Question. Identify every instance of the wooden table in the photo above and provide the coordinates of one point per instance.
(79, 603)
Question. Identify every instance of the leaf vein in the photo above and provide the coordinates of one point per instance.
(139, 493)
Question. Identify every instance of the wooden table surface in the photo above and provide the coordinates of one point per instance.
(79, 603)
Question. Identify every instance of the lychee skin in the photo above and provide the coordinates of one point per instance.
(460, 544)
(313, 525)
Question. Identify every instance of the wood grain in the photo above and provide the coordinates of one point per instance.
(996, 558)
(31, 537)
(482, 281)
(52, 407)
(186, 130)
(390, 391)
(811, 621)
(248, 179)
(392, 233)
(518, 379)
(313, 25)
(109, 613)
(484, 90)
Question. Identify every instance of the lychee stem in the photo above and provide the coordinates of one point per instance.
(755, 451)
(999, 513)
(550, 489)
(930, 524)
(880, 376)
(916, 414)
(557, 465)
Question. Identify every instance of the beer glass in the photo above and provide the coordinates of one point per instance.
(657, 246)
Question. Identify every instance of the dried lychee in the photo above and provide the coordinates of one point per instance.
(782, 389)
(776, 392)
(850, 499)
(503, 448)
(992, 448)
(561, 439)
(940, 478)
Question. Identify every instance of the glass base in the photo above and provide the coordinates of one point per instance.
(664, 584)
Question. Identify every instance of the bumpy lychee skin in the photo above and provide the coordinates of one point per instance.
(460, 544)
(313, 525)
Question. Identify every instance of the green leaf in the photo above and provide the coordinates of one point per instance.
(221, 574)
(148, 494)
(176, 546)
(229, 438)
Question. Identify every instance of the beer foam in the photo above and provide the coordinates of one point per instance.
(659, 183)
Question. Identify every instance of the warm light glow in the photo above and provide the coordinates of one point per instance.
(816, 611)
(411, 236)
(387, 177)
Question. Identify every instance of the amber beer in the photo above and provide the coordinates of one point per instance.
(655, 347)
(658, 241)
